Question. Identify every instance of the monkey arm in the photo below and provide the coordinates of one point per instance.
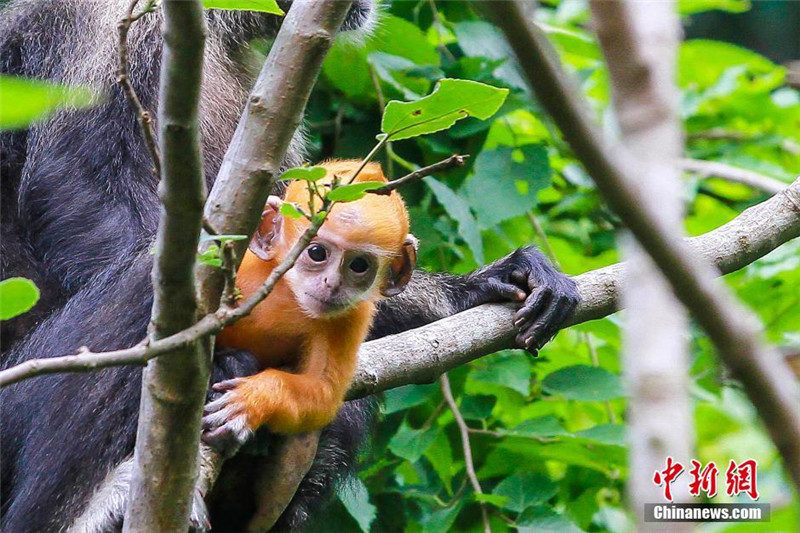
(549, 297)
(286, 402)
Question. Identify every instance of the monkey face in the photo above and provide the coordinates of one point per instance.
(329, 279)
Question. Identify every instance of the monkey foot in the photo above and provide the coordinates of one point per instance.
(225, 425)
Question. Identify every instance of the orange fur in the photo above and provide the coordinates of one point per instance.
(317, 356)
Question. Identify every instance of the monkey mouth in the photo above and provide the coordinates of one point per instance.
(330, 306)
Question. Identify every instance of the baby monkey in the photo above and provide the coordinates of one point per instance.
(307, 332)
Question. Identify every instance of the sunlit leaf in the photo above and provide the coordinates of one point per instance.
(265, 6)
(17, 295)
(303, 173)
(355, 498)
(24, 101)
(582, 382)
(451, 100)
(353, 191)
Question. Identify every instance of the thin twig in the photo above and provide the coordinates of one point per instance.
(736, 174)
(464, 430)
(452, 161)
(143, 117)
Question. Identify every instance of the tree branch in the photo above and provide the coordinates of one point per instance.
(736, 174)
(765, 377)
(463, 429)
(452, 161)
(143, 117)
(174, 386)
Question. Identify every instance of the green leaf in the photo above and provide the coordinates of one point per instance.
(605, 433)
(17, 295)
(346, 65)
(403, 398)
(210, 257)
(492, 499)
(303, 173)
(24, 101)
(222, 238)
(410, 443)
(543, 519)
(482, 39)
(541, 427)
(265, 6)
(503, 187)
(449, 102)
(690, 7)
(354, 191)
(524, 490)
(581, 382)
(355, 499)
(290, 210)
(511, 369)
(440, 455)
(477, 407)
(458, 209)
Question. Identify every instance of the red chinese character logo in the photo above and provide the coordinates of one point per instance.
(667, 476)
(742, 478)
(703, 480)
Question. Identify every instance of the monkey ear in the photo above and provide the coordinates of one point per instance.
(269, 229)
(401, 268)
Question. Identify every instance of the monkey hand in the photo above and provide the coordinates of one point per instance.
(550, 297)
(226, 426)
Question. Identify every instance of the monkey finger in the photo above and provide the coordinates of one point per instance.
(519, 278)
(226, 385)
(536, 301)
(540, 331)
(505, 291)
(565, 308)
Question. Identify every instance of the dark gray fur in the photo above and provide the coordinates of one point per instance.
(79, 210)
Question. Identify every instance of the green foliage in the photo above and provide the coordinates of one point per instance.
(24, 101)
(17, 295)
(266, 6)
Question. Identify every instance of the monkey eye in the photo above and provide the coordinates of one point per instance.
(359, 265)
(317, 253)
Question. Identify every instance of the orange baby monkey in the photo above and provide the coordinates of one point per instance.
(307, 332)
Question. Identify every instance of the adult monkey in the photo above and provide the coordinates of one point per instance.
(79, 209)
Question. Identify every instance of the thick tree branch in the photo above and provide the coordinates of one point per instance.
(174, 386)
(765, 377)
(739, 175)
(423, 354)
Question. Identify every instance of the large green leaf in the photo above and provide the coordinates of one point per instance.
(266, 6)
(355, 499)
(410, 443)
(353, 191)
(451, 101)
(543, 519)
(24, 101)
(510, 369)
(17, 295)
(304, 173)
(506, 181)
(581, 382)
(458, 209)
(524, 490)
